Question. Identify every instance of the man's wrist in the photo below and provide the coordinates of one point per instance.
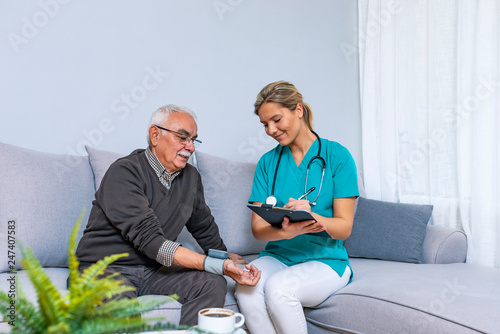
(214, 265)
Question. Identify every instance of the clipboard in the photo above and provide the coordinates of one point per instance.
(275, 215)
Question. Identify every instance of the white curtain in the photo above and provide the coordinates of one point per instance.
(430, 99)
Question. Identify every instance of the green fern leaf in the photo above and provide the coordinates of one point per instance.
(28, 319)
(73, 262)
(90, 274)
(49, 297)
(60, 328)
(129, 307)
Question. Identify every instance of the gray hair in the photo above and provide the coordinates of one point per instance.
(161, 115)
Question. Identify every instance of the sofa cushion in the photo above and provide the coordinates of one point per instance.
(100, 161)
(43, 194)
(227, 189)
(388, 231)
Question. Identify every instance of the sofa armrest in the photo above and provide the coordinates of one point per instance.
(444, 245)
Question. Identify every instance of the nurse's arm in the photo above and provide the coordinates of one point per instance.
(262, 230)
(340, 225)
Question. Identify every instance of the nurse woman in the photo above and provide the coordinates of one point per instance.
(303, 262)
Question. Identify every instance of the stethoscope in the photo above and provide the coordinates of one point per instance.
(271, 200)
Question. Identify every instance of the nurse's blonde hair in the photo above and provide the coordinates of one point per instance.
(287, 95)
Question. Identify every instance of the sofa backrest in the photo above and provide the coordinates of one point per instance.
(227, 189)
(42, 195)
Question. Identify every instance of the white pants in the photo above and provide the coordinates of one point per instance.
(275, 304)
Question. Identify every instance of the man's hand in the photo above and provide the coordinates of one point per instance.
(238, 259)
(244, 277)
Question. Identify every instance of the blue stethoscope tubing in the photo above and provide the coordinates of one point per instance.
(271, 200)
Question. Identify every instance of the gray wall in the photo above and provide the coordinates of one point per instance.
(91, 72)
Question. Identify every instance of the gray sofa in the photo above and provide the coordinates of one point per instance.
(409, 277)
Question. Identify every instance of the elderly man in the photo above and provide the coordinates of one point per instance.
(141, 206)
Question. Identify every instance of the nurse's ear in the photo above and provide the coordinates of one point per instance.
(299, 111)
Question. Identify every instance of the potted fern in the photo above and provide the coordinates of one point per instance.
(90, 306)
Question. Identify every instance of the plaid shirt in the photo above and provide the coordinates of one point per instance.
(164, 175)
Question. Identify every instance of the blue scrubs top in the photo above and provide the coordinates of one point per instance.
(340, 181)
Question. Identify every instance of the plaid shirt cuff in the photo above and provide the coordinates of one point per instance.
(166, 253)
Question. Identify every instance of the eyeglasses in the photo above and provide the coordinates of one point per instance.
(183, 138)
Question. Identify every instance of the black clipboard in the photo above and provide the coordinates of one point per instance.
(275, 215)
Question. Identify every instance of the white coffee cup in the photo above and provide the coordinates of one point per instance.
(219, 320)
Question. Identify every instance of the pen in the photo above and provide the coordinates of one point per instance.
(307, 193)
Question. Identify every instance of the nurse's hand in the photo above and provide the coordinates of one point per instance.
(238, 259)
(290, 230)
(296, 204)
